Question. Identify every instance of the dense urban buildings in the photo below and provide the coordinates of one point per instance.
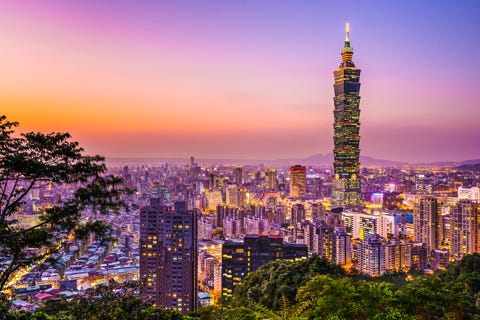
(168, 255)
(401, 208)
(346, 185)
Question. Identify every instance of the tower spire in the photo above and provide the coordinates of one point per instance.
(347, 30)
(347, 51)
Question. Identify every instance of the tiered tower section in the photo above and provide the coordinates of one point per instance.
(346, 184)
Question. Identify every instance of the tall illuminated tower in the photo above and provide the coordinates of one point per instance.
(168, 255)
(346, 165)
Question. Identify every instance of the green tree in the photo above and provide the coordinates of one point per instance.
(281, 278)
(466, 271)
(326, 298)
(430, 297)
(117, 301)
(26, 315)
(29, 160)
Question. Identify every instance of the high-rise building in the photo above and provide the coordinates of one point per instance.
(342, 247)
(465, 228)
(298, 181)
(327, 237)
(392, 223)
(238, 175)
(372, 256)
(232, 195)
(440, 259)
(317, 210)
(419, 255)
(271, 179)
(361, 225)
(398, 256)
(232, 227)
(472, 193)
(427, 221)
(346, 185)
(242, 197)
(241, 258)
(204, 230)
(298, 214)
(214, 198)
(221, 213)
(168, 255)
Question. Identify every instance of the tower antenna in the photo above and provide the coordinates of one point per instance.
(347, 30)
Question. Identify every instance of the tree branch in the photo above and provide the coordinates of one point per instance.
(17, 200)
(12, 192)
(23, 231)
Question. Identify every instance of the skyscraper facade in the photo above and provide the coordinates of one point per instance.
(238, 175)
(398, 256)
(298, 181)
(232, 195)
(346, 185)
(298, 213)
(168, 255)
(372, 256)
(427, 221)
(271, 179)
(465, 225)
(342, 247)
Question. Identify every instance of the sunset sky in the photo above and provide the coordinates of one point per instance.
(243, 79)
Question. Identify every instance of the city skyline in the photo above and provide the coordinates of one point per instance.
(250, 80)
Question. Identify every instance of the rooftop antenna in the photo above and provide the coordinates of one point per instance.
(347, 30)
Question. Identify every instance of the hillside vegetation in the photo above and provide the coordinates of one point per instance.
(308, 289)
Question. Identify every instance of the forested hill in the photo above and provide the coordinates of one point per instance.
(316, 289)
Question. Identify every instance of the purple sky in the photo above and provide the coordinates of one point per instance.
(243, 79)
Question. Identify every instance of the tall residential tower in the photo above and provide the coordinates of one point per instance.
(168, 260)
(346, 184)
(427, 221)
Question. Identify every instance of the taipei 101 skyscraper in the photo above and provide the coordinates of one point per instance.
(346, 184)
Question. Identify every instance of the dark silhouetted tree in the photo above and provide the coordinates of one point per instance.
(30, 160)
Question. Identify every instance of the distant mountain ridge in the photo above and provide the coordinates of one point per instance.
(468, 162)
(470, 166)
(327, 159)
(319, 159)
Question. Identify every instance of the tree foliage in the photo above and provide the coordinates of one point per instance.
(272, 282)
(451, 294)
(332, 297)
(347, 298)
(225, 311)
(30, 160)
(113, 302)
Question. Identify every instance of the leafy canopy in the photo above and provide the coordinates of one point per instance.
(282, 278)
(32, 160)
